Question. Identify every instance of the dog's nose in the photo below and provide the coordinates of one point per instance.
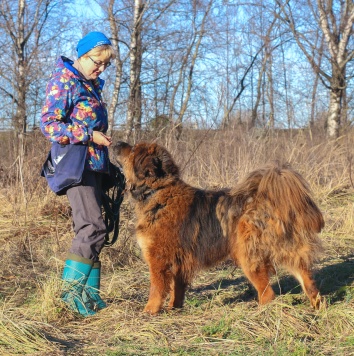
(120, 146)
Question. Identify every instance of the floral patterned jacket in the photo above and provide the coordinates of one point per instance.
(73, 108)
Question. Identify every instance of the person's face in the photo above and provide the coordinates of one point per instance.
(94, 65)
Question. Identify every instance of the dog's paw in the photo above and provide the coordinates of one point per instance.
(151, 309)
(319, 302)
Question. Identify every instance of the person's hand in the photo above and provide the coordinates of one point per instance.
(101, 139)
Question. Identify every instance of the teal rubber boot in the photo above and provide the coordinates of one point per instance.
(91, 292)
(75, 275)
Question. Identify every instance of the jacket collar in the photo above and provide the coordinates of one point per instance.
(64, 65)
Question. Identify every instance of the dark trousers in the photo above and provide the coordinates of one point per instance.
(88, 223)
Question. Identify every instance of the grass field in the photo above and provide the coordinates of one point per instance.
(221, 316)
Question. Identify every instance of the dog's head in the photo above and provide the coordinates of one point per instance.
(146, 165)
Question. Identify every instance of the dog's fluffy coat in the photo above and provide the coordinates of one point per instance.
(267, 220)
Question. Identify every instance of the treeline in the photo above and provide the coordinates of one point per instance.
(200, 63)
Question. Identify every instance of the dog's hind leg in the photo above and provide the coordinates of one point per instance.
(309, 286)
(260, 280)
(178, 290)
(255, 268)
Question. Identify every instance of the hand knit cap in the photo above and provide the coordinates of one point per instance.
(90, 41)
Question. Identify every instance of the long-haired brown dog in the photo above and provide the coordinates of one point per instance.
(267, 220)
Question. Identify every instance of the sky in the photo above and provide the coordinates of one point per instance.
(88, 8)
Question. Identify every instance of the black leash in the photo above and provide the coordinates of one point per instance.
(113, 187)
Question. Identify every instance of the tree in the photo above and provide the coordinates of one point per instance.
(115, 38)
(335, 19)
(136, 52)
(267, 48)
(186, 70)
(25, 30)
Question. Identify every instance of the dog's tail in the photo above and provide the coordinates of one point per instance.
(280, 215)
(289, 195)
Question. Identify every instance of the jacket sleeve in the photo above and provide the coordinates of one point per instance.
(55, 123)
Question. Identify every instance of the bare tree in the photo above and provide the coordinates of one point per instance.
(188, 64)
(136, 52)
(318, 58)
(24, 25)
(115, 32)
(335, 19)
(267, 49)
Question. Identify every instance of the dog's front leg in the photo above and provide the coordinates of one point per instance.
(178, 290)
(160, 280)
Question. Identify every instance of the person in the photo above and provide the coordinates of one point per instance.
(75, 114)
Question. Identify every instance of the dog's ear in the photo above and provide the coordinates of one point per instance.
(153, 161)
(147, 166)
(167, 164)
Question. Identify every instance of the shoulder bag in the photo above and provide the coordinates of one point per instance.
(64, 166)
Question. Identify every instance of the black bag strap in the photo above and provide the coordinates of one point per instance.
(112, 197)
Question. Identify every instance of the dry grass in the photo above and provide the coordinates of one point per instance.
(221, 316)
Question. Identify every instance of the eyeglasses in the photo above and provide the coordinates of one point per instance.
(100, 64)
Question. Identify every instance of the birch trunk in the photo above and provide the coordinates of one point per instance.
(118, 68)
(20, 118)
(337, 38)
(134, 106)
